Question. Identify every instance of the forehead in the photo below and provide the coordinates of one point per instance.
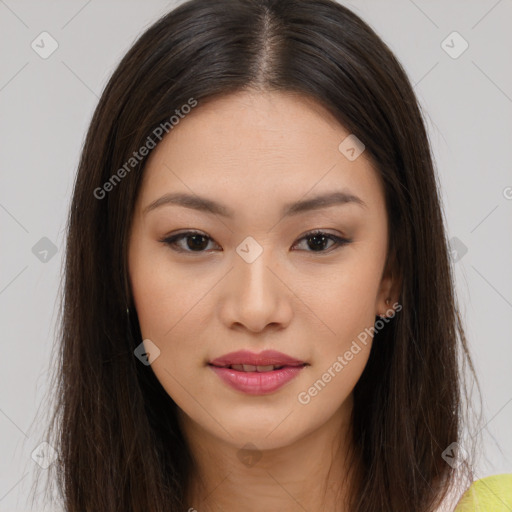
(257, 144)
(276, 122)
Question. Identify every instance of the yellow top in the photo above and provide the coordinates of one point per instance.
(489, 494)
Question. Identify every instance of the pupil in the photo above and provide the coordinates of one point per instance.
(318, 244)
(195, 238)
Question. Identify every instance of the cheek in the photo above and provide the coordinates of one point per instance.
(152, 297)
(342, 351)
(169, 311)
(174, 308)
(172, 320)
(162, 295)
(345, 301)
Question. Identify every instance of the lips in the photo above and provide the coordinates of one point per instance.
(253, 368)
(256, 374)
(265, 361)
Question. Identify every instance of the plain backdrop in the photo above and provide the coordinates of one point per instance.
(46, 105)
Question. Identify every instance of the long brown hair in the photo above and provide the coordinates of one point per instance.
(113, 425)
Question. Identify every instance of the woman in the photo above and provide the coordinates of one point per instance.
(259, 310)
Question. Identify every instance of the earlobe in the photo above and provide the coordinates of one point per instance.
(388, 302)
(385, 293)
(390, 289)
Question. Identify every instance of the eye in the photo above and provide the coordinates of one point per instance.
(198, 242)
(319, 239)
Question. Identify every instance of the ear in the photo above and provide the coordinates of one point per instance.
(390, 287)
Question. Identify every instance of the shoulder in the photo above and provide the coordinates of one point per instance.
(486, 494)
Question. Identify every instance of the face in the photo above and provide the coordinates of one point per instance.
(252, 276)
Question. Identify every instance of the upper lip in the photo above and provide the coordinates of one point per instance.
(265, 358)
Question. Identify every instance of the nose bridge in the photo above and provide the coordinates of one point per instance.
(257, 297)
(252, 267)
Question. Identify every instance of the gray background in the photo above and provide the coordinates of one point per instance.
(46, 105)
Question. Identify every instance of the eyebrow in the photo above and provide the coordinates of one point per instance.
(206, 205)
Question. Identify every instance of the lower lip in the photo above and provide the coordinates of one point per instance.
(257, 383)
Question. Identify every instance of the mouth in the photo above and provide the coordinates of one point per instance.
(257, 382)
(257, 368)
(257, 374)
(266, 361)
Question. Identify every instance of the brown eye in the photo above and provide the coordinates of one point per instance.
(317, 241)
(195, 241)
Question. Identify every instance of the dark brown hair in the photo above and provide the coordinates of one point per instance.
(113, 425)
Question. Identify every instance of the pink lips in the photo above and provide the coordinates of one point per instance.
(264, 358)
(254, 382)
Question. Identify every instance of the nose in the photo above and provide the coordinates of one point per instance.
(256, 296)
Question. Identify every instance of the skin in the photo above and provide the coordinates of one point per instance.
(255, 152)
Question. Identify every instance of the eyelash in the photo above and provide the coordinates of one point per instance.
(172, 240)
